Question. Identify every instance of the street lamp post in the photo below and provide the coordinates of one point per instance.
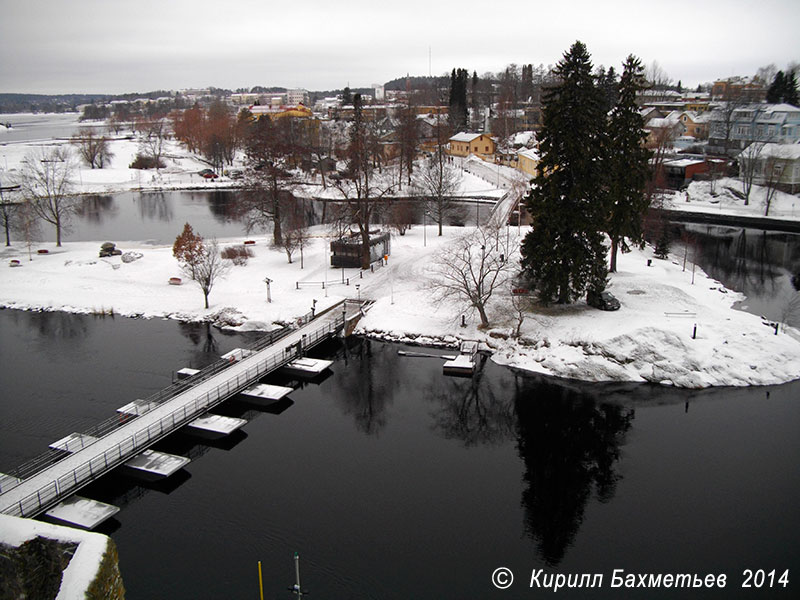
(267, 280)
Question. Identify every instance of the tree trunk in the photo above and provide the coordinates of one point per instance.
(614, 246)
(365, 248)
(484, 318)
(205, 296)
(277, 234)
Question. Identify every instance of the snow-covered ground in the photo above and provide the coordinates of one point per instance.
(180, 172)
(182, 167)
(725, 201)
(82, 568)
(648, 339)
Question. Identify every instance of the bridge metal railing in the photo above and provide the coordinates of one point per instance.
(52, 456)
(140, 439)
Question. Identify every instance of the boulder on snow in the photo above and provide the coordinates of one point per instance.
(109, 249)
(129, 257)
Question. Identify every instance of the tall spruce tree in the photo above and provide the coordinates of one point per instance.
(564, 253)
(628, 163)
(775, 91)
(790, 94)
(458, 99)
(783, 89)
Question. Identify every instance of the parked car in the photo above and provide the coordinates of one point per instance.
(602, 300)
(207, 174)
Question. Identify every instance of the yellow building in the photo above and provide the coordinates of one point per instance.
(272, 112)
(464, 144)
(695, 124)
(527, 161)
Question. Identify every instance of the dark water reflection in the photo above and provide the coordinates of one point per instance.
(153, 216)
(760, 264)
(570, 445)
(393, 481)
(159, 216)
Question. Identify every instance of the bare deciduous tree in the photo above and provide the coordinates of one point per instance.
(473, 268)
(402, 216)
(748, 167)
(154, 132)
(9, 205)
(358, 189)
(201, 262)
(46, 184)
(269, 157)
(27, 224)
(438, 182)
(773, 166)
(93, 149)
(295, 231)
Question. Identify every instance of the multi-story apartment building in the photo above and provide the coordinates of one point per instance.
(734, 127)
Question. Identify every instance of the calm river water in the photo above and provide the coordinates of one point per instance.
(393, 481)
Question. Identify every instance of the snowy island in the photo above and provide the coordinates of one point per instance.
(675, 327)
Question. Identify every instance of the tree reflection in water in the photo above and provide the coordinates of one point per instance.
(474, 410)
(570, 444)
(758, 263)
(223, 206)
(368, 388)
(97, 209)
(154, 206)
(56, 325)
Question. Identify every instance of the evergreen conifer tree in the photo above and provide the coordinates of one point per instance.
(628, 163)
(458, 99)
(790, 95)
(564, 252)
(775, 91)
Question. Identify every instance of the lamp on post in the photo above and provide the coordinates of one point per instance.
(267, 280)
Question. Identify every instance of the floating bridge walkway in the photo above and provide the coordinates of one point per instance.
(76, 461)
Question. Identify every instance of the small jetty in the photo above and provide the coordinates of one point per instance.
(82, 512)
(215, 426)
(186, 372)
(265, 393)
(463, 364)
(307, 367)
(155, 465)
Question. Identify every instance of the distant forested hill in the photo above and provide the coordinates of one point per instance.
(12, 103)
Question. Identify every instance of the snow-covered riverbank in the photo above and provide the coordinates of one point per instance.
(649, 339)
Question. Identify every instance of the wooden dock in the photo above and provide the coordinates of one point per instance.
(80, 458)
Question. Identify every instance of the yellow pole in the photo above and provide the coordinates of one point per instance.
(260, 581)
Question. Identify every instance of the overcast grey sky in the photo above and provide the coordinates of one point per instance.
(117, 46)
